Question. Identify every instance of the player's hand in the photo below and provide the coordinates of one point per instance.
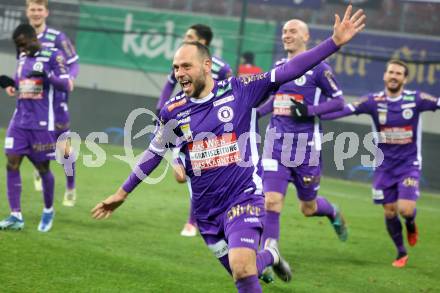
(6, 81)
(71, 86)
(10, 91)
(104, 209)
(345, 30)
(299, 111)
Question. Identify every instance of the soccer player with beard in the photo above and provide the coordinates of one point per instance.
(306, 98)
(220, 70)
(396, 114)
(37, 11)
(214, 123)
(41, 77)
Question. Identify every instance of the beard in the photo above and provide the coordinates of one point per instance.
(395, 89)
(199, 85)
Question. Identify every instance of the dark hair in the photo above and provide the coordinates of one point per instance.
(25, 30)
(203, 32)
(400, 63)
(248, 57)
(201, 49)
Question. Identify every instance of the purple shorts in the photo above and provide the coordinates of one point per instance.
(306, 179)
(389, 189)
(239, 226)
(38, 145)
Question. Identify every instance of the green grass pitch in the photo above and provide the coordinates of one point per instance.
(139, 248)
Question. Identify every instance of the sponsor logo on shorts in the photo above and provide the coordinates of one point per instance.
(239, 210)
(410, 182)
(247, 240)
(251, 220)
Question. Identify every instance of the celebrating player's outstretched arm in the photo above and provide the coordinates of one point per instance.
(345, 30)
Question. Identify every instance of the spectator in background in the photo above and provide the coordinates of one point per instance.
(247, 66)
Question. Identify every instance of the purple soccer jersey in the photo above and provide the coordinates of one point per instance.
(53, 38)
(220, 70)
(282, 164)
(32, 127)
(36, 95)
(397, 122)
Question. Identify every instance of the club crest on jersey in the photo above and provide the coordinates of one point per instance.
(407, 114)
(38, 66)
(225, 114)
(300, 81)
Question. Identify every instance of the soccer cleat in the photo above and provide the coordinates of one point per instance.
(46, 222)
(412, 236)
(280, 266)
(38, 185)
(69, 198)
(400, 262)
(339, 225)
(189, 230)
(12, 223)
(267, 276)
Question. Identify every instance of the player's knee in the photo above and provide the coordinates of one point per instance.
(43, 167)
(273, 201)
(13, 163)
(241, 268)
(307, 211)
(406, 212)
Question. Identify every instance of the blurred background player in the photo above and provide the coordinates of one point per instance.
(296, 107)
(37, 11)
(247, 66)
(396, 119)
(41, 75)
(220, 70)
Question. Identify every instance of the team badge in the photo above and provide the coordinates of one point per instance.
(38, 66)
(407, 114)
(301, 81)
(225, 114)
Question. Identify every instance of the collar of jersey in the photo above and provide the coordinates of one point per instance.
(207, 98)
(394, 99)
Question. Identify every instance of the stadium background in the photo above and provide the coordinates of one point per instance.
(126, 51)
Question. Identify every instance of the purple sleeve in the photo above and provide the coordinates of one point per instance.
(167, 91)
(225, 72)
(266, 107)
(64, 44)
(299, 65)
(59, 75)
(145, 166)
(346, 111)
(332, 105)
(73, 70)
(428, 102)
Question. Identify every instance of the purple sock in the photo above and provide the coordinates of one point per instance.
(191, 218)
(411, 221)
(324, 208)
(14, 189)
(249, 285)
(224, 260)
(264, 259)
(70, 179)
(271, 226)
(48, 183)
(394, 228)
